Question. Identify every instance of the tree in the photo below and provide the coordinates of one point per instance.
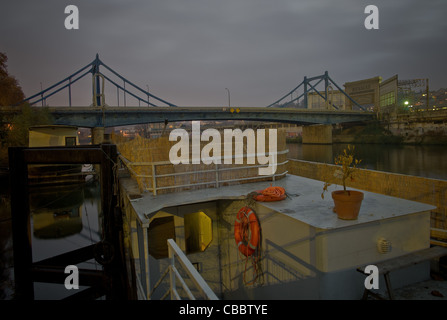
(10, 91)
(15, 132)
(20, 124)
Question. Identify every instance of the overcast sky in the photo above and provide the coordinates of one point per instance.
(189, 51)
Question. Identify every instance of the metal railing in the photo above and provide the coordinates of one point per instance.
(217, 169)
(154, 179)
(174, 275)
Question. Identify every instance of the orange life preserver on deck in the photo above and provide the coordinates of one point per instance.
(270, 194)
(247, 231)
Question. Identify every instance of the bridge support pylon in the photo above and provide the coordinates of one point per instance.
(317, 134)
(97, 135)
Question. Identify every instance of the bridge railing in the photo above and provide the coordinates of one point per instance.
(164, 177)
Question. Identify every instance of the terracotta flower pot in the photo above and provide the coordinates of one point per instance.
(347, 203)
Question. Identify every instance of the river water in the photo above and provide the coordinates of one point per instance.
(415, 160)
(63, 218)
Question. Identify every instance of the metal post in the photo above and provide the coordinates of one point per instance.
(93, 90)
(69, 92)
(331, 99)
(171, 272)
(147, 277)
(41, 95)
(113, 227)
(98, 91)
(326, 84)
(229, 104)
(21, 227)
(124, 92)
(108, 161)
(305, 92)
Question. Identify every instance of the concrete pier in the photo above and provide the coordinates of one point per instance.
(318, 134)
(97, 135)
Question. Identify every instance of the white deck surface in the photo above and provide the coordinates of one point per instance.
(304, 202)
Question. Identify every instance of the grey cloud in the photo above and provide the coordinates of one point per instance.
(189, 51)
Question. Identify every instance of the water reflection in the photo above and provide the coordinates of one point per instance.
(416, 160)
(6, 253)
(63, 218)
(56, 212)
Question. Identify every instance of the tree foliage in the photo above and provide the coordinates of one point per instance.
(348, 166)
(10, 91)
(20, 124)
(15, 131)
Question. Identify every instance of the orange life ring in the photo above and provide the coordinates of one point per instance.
(270, 194)
(247, 231)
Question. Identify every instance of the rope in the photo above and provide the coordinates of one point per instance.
(269, 194)
(256, 257)
(275, 192)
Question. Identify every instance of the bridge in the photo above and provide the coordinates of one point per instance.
(99, 114)
(89, 117)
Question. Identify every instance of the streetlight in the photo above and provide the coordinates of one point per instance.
(147, 86)
(229, 105)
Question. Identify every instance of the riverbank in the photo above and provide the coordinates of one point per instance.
(371, 133)
(416, 160)
(423, 139)
(376, 133)
(380, 133)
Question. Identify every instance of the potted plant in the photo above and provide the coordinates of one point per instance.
(347, 203)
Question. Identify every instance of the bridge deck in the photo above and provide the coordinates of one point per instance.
(120, 116)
